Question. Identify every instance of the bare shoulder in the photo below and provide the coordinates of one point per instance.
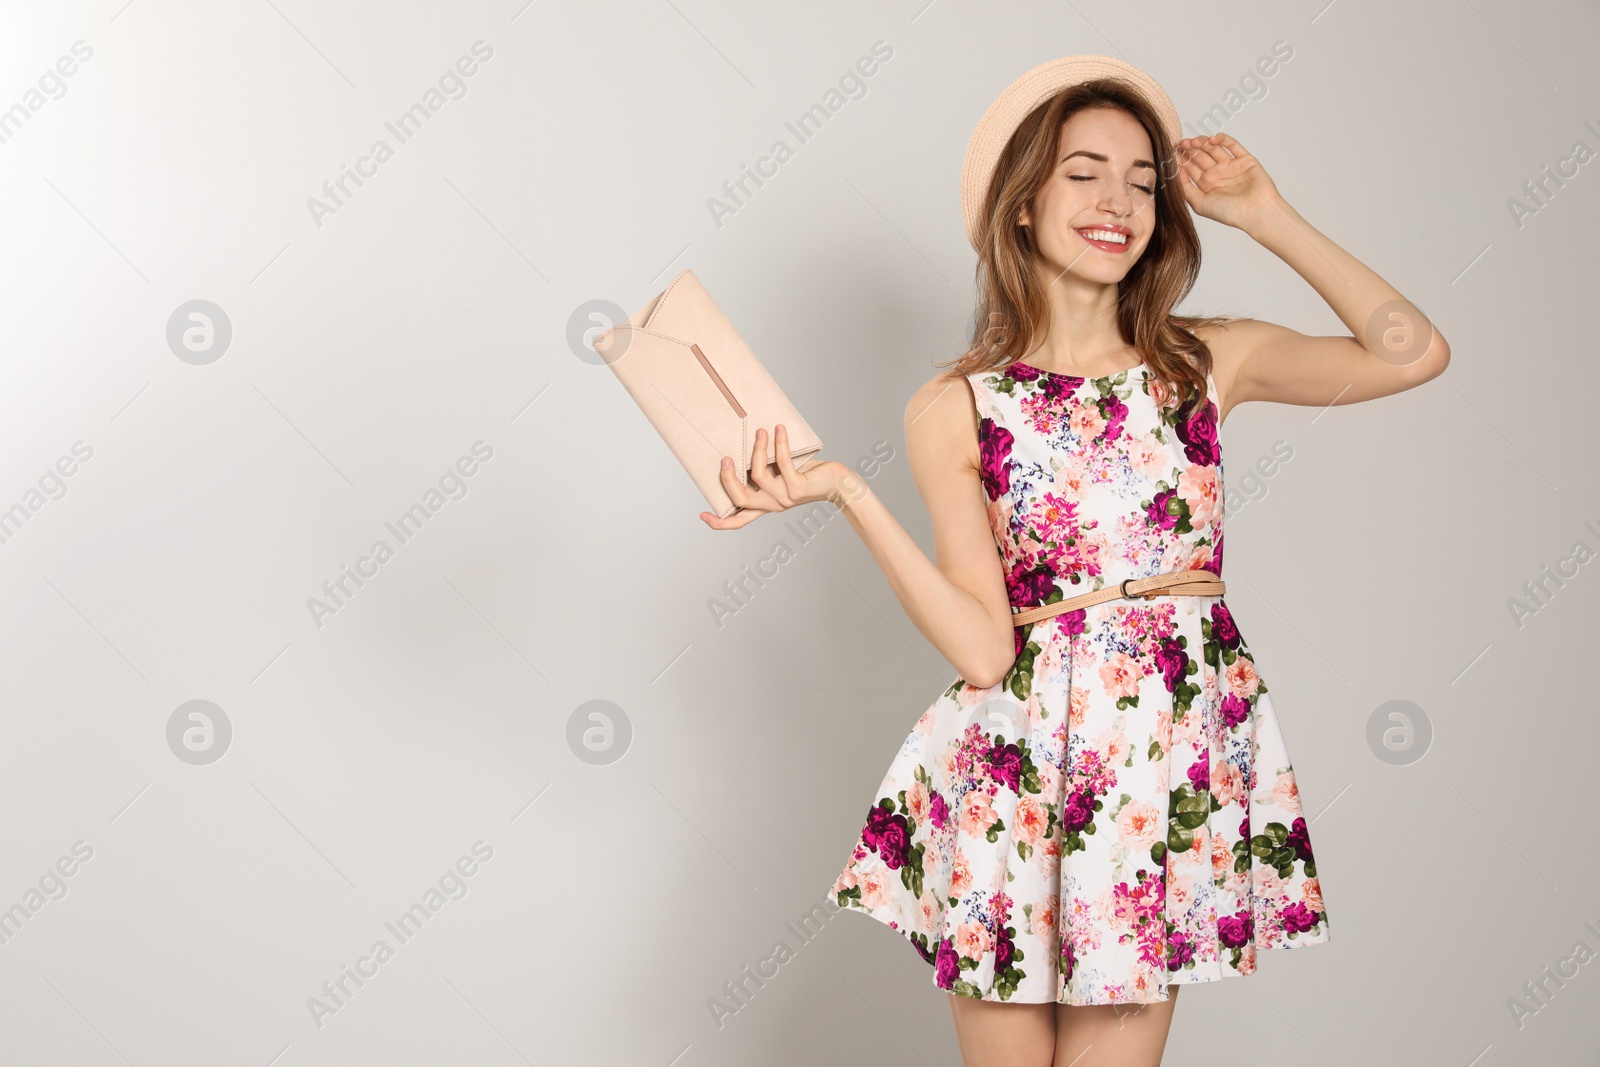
(941, 420)
(1230, 341)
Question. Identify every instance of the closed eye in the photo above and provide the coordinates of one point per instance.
(1146, 190)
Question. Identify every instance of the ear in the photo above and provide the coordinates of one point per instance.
(1022, 216)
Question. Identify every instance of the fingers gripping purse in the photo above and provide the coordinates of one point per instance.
(702, 388)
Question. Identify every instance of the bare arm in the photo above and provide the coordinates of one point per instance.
(960, 605)
(1392, 346)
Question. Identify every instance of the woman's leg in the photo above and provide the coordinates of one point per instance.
(993, 1033)
(1113, 1035)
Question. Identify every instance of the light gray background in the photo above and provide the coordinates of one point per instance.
(431, 312)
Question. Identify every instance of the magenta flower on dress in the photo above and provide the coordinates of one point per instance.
(994, 446)
(1199, 436)
(888, 834)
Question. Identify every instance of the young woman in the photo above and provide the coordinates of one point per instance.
(1101, 807)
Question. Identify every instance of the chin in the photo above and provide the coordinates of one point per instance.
(1100, 275)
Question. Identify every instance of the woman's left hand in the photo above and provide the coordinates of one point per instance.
(1223, 182)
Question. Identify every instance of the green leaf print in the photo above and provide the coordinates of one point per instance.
(1186, 812)
(1019, 680)
(1179, 508)
(1269, 847)
(1155, 754)
(1192, 811)
(911, 872)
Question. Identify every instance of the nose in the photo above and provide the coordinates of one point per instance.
(1119, 204)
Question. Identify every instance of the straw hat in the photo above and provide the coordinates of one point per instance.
(1027, 93)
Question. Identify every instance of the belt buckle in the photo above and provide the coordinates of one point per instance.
(1151, 595)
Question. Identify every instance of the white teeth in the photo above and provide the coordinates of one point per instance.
(1105, 235)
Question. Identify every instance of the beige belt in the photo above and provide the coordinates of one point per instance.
(1172, 583)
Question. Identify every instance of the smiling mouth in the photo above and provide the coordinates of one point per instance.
(1105, 240)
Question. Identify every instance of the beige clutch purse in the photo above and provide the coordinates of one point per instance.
(702, 388)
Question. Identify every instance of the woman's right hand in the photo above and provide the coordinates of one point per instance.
(829, 480)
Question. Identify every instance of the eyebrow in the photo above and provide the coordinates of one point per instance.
(1103, 159)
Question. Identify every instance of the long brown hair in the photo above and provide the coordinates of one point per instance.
(1013, 311)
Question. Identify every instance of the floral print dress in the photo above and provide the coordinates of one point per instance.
(1119, 812)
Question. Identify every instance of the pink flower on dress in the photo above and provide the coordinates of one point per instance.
(917, 802)
(1077, 706)
(1311, 892)
(1227, 783)
(1242, 678)
(1029, 820)
(1267, 883)
(1043, 917)
(1048, 663)
(950, 763)
(1160, 392)
(1087, 422)
(1112, 746)
(1121, 675)
(1148, 457)
(1049, 777)
(1115, 909)
(875, 886)
(928, 912)
(1000, 512)
(1140, 824)
(999, 908)
(970, 696)
(1198, 487)
(1047, 857)
(1221, 857)
(1071, 479)
(972, 940)
(1287, 793)
(976, 813)
(1162, 734)
(1186, 729)
(960, 875)
(1180, 895)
